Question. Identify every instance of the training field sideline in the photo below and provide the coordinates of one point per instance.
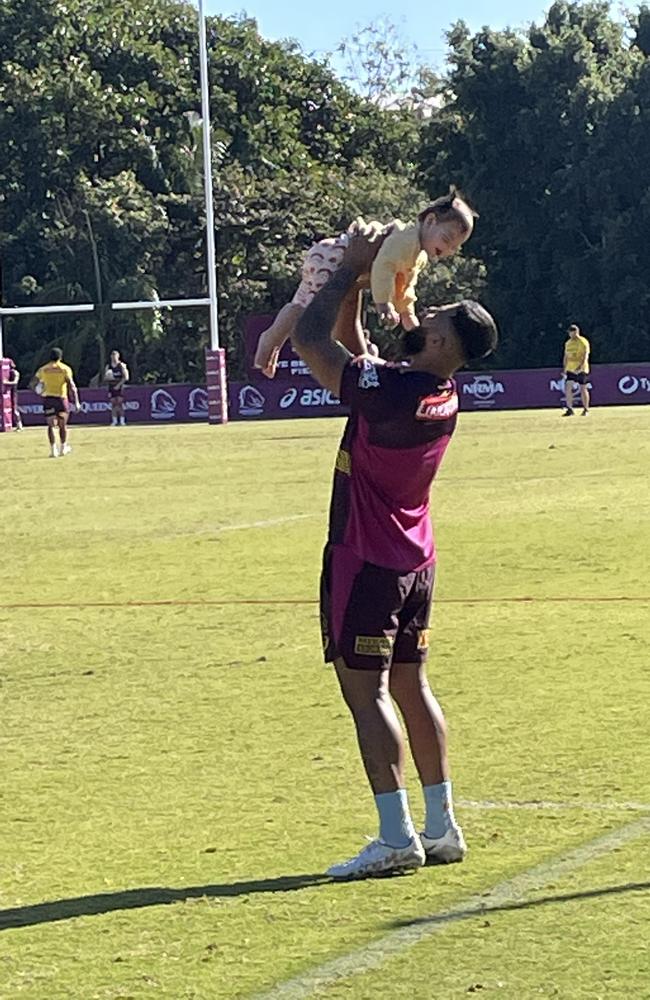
(179, 769)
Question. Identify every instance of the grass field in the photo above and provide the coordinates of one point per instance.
(176, 776)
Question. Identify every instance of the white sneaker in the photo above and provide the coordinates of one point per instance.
(378, 858)
(66, 449)
(445, 850)
(54, 451)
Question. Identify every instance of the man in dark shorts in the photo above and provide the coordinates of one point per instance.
(576, 370)
(14, 378)
(116, 375)
(55, 382)
(379, 560)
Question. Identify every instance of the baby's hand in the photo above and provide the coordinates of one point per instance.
(388, 315)
(368, 359)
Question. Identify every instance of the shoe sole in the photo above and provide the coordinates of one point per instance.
(386, 873)
(444, 858)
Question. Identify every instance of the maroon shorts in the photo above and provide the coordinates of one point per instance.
(371, 616)
(55, 405)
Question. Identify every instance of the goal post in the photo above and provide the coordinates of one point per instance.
(215, 359)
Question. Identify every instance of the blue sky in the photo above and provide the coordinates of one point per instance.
(320, 27)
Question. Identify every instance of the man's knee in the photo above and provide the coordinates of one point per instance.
(407, 680)
(361, 689)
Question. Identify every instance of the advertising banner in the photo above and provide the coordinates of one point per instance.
(610, 385)
(261, 399)
(153, 404)
(300, 396)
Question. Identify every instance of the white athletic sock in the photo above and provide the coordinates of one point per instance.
(395, 824)
(439, 809)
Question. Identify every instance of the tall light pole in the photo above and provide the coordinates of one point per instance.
(207, 180)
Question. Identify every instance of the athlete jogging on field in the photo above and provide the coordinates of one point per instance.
(57, 385)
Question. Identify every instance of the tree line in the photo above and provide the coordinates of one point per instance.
(546, 130)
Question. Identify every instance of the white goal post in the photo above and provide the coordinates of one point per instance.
(211, 302)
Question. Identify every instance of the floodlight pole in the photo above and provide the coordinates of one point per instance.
(207, 179)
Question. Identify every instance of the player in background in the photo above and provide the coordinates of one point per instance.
(116, 376)
(379, 561)
(401, 251)
(55, 382)
(576, 370)
(14, 378)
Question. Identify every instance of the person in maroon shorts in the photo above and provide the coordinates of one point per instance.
(14, 378)
(56, 384)
(379, 561)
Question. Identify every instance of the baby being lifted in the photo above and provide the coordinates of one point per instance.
(402, 251)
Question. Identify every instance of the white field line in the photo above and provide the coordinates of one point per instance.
(544, 804)
(266, 524)
(374, 954)
(218, 529)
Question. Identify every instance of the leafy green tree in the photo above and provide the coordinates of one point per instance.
(102, 184)
(101, 193)
(519, 127)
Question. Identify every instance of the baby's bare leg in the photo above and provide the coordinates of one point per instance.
(271, 340)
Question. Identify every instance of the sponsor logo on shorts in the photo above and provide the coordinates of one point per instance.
(437, 407)
(344, 462)
(373, 645)
(423, 638)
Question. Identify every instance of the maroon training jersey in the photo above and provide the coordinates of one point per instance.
(400, 425)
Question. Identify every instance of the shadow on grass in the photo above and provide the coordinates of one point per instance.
(135, 899)
(529, 904)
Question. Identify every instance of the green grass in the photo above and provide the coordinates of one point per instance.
(175, 778)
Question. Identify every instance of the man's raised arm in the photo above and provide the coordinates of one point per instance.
(312, 337)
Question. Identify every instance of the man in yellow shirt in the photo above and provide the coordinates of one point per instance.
(55, 383)
(576, 370)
